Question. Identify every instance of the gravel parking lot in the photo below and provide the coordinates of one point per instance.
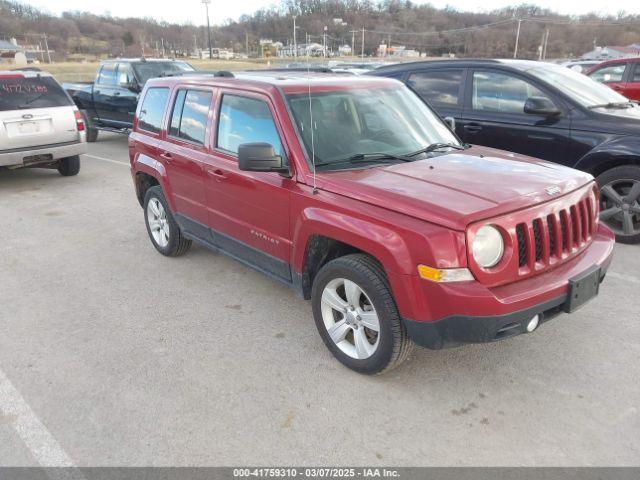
(111, 354)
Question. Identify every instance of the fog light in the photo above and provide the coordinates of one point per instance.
(533, 323)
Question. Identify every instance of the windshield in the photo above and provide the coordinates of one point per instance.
(579, 87)
(348, 123)
(148, 70)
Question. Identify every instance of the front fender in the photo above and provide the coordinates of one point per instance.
(386, 245)
(613, 151)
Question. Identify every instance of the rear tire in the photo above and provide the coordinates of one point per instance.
(353, 304)
(92, 133)
(162, 227)
(70, 166)
(620, 202)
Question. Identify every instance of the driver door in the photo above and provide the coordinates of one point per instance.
(494, 116)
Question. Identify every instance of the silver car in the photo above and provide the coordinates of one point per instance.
(39, 124)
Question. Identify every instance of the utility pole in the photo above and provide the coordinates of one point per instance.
(295, 42)
(206, 5)
(246, 42)
(324, 42)
(353, 43)
(46, 46)
(362, 48)
(546, 42)
(515, 50)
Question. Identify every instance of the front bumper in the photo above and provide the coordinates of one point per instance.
(476, 314)
(27, 157)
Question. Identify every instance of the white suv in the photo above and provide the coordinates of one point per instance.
(39, 124)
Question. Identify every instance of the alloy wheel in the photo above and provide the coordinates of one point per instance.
(158, 222)
(620, 206)
(350, 318)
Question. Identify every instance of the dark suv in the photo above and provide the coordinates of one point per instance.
(546, 111)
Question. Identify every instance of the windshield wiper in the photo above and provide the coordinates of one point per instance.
(368, 158)
(435, 146)
(31, 100)
(611, 105)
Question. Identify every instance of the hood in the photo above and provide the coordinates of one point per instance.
(625, 121)
(458, 188)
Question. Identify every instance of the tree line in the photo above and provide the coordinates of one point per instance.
(422, 27)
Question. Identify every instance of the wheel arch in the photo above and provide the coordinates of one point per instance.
(612, 154)
(149, 173)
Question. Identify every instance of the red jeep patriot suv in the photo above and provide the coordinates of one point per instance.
(354, 193)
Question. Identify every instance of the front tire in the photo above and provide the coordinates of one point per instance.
(70, 166)
(162, 228)
(357, 317)
(620, 202)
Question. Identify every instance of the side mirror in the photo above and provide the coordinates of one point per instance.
(540, 106)
(260, 157)
(451, 122)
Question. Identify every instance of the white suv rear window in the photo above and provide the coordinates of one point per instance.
(22, 93)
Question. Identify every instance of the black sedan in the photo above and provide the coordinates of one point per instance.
(545, 111)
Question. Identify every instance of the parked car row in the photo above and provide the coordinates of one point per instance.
(401, 227)
(544, 111)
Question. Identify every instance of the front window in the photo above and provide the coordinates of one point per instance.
(147, 70)
(577, 86)
(246, 120)
(499, 92)
(347, 123)
(612, 73)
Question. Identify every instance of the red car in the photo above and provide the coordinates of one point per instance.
(355, 194)
(623, 75)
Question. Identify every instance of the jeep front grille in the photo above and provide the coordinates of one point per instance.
(538, 239)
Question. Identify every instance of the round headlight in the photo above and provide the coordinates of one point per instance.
(488, 246)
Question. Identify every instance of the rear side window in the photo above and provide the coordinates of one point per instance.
(108, 75)
(636, 73)
(246, 120)
(189, 116)
(152, 109)
(438, 87)
(19, 93)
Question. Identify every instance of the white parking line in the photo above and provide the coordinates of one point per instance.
(44, 448)
(107, 159)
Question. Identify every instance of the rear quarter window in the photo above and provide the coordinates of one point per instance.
(19, 93)
(152, 109)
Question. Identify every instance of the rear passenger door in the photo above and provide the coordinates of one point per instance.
(248, 211)
(442, 89)
(494, 116)
(185, 148)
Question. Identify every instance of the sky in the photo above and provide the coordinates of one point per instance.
(192, 11)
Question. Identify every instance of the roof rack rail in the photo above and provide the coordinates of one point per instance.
(212, 73)
(314, 69)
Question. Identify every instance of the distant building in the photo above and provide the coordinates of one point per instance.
(397, 51)
(9, 51)
(304, 50)
(612, 53)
